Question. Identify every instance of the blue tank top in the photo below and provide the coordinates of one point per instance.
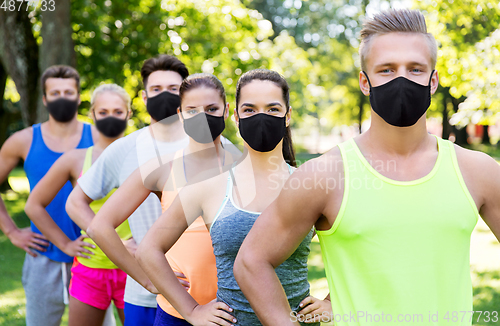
(230, 227)
(38, 162)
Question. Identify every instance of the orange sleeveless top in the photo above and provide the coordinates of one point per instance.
(192, 254)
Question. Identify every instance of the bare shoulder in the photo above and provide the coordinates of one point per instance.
(19, 143)
(75, 155)
(481, 174)
(72, 161)
(328, 164)
(317, 180)
(475, 162)
(204, 197)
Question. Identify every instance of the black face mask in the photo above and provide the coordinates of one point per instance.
(400, 102)
(164, 105)
(204, 128)
(263, 132)
(111, 127)
(62, 110)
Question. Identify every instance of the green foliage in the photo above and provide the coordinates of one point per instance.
(468, 36)
(112, 40)
(327, 31)
(313, 43)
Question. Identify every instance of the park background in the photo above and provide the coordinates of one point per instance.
(312, 43)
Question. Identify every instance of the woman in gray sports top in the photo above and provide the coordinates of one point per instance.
(229, 204)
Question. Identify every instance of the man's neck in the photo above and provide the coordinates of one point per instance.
(62, 129)
(168, 132)
(398, 141)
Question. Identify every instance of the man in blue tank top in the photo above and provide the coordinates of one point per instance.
(46, 269)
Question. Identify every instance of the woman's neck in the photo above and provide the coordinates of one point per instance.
(204, 151)
(264, 163)
(104, 142)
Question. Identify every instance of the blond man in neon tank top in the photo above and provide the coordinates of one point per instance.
(394, 208)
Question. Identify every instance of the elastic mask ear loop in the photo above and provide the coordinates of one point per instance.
(366, 75)
(432, 73)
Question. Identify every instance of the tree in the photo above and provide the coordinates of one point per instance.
(24, 60)
(112, 40)
(19, 55)
(458, 27)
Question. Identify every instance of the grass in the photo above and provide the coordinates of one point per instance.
(12, 301)
(12, 298)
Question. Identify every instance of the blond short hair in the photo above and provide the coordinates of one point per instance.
(110, 88)
(391, 21)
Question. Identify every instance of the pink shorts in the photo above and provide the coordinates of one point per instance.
(97, 286)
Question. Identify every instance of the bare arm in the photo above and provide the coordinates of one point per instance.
(78, 208)
(127, 198)
(282, 226)
(490, 188)
(11, 152)
(151, 256)
(481, 174)
(41, 196)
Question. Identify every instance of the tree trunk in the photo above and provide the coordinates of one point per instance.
(446, 123)
(486, 135)
(461, 135)
(362, 97)
(3, 119)
(3, 112)
(19, 54)
(57, 46)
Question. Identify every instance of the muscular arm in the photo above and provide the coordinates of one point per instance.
(14, 149)
(481, 174)
(282, 226)
(41, 196)
(489, 174)
(127, 198)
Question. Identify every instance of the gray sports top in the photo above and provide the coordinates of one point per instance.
(229, 228)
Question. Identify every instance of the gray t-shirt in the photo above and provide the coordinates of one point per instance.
(110, 170)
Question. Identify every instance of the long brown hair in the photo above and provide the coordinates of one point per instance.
(278, 80)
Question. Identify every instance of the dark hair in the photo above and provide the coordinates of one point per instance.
(280, 81)
(202, 80)
(163, 62)
(60, 71)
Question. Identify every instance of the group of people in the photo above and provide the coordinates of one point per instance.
(176, 226)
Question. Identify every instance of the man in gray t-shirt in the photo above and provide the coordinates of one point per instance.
(162, 76)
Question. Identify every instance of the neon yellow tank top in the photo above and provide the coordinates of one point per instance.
(399, 250)
(99, 258)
